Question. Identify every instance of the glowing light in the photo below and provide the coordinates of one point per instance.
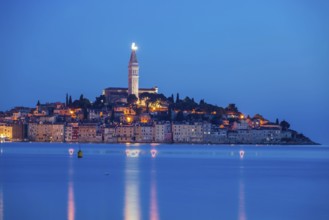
(132, 153)
(241, 154)
(71, 151)
(242, 209)
(154, 211)
(132, 204)
(154, 153)
(128, 119)
(241, 116)
(134, 47)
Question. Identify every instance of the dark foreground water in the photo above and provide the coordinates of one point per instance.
(43, 181)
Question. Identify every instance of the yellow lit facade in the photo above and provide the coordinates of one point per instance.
(6, 132)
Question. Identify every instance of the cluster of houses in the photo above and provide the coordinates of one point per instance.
(57, 123)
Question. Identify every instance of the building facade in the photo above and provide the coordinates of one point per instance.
(46, 132)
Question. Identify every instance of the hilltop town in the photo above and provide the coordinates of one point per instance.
(141, 115)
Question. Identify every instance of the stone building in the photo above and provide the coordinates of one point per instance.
(162, 132)
(90, 133)
(144, 133)
(190, 132)
(46, 132)
(117, 94)
(125, 133)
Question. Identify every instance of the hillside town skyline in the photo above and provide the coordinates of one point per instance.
(142, 115)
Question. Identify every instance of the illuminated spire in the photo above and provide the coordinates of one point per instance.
(133, 72)
(133, 57)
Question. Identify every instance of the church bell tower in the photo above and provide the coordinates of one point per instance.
(133, 72)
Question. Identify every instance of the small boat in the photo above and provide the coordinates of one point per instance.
(80, 154)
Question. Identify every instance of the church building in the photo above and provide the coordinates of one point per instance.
(115, 94)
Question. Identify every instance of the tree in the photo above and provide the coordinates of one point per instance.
(132, 99)
(85, 113)
(171, 99)
(180, 116)
(112, 116)
(67, 100)
(169, 113)
(284, 125)
(177, 98)
(100, 102)
(231, 108)
(258, 116)
(277, 121)
(70, 100)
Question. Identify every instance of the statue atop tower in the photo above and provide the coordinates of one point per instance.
(133, 72)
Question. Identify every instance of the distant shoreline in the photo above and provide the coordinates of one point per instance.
(177, 143)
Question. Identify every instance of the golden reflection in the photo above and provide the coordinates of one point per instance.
(242, 207)
(1, 204)
(154, 213)
(132, 198)
(70, 199)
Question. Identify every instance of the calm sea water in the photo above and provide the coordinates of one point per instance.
(132, 182)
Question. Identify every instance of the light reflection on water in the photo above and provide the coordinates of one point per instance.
(242, 207)
(1, 204)
(132, 204)
(70, 199)
(154, 212)
(132, 198)
(168, 182)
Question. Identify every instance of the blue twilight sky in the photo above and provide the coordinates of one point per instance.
(269, 57)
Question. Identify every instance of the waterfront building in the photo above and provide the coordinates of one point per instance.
(125, 133)
(217, 135)
(189, 132)
(90, 132)
(72, 132)
(144, 133)
(162, 132)
(46, 132)
(19, 131)
(6, 132)
(109, 135)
